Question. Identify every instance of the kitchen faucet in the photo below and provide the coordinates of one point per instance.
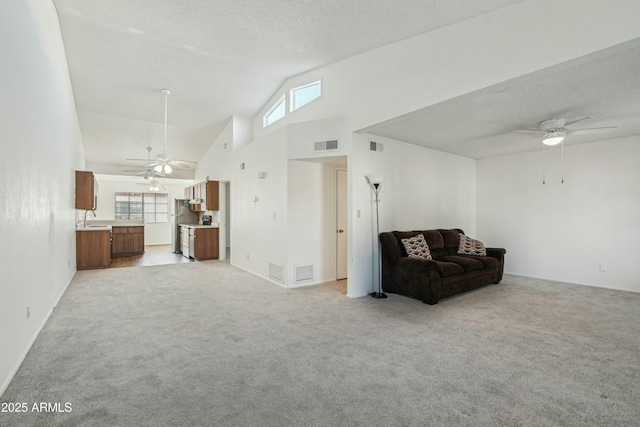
(85, 216)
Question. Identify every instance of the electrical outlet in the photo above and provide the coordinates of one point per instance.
(603, 267)
(28, 311)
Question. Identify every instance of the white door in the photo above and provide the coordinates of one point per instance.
(341, 224)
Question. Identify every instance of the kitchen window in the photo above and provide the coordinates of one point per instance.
(150, 207)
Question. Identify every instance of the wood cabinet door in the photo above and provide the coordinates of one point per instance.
(136, 240)
(84, 190)
(213, 195)
(93, 249)
(120, 243)
(206, 243)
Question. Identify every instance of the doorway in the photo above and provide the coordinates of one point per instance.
(225, 220)
(342, 231)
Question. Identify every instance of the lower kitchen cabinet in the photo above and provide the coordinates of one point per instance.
(206, 242)
(127, 241)
(93, 249)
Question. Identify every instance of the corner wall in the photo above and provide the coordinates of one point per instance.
(41, 149)
(422, 189)
(566, 232)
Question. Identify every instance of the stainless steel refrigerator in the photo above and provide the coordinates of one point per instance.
(181, 215)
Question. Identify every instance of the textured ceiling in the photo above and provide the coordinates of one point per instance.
(219, 58)
(604, 86)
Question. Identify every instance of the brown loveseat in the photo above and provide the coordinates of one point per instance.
(447, 274)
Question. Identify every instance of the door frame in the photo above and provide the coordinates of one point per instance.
(346, 220)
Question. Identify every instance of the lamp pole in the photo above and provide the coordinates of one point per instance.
(379, 294)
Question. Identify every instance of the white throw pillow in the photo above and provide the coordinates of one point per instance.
(417, 247)
(469, 246)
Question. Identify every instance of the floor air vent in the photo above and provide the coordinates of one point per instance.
(331, 144)
(303, 272)
(276, 272)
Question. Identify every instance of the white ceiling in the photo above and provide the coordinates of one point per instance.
(604, 86)
(224, 58)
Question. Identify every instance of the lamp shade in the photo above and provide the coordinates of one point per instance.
(375, 179)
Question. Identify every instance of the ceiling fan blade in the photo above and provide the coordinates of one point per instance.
(577, 121)
(594, 130)
(537, 132)
(183, 164)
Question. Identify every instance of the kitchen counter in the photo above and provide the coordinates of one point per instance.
(213, 225)
(94, 228)
(106, 224)
(115, 223)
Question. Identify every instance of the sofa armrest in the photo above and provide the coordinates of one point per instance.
(420, 278)
(499, 254)
(496, 252)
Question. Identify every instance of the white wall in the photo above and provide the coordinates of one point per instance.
(422, 189)
(258, 229)
(566, 232)
(311, 227)
(427, 189)
(154, 234)
(41, 149)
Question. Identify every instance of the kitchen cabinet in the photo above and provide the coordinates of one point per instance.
(207, 192)
(206, 242)
(211, 195)
(93, 249)
(200, 243)
(86, 190)
(127, 241)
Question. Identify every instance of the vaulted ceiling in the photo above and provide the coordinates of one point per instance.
(225, 58)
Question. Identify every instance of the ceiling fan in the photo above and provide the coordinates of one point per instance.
(164, 162)
(148, 172)
(154, 185)
(555, 131)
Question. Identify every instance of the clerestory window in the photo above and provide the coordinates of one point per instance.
(275, 113)
(305, 94)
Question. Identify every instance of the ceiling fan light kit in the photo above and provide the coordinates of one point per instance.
(163, 168)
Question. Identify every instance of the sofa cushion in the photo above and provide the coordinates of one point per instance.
(451, 240)
(466, 262)
(416, 247)
(446, 268)
(488, 261)
(469, 246)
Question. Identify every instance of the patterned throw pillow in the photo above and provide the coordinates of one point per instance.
(417, 247)
(469, 246)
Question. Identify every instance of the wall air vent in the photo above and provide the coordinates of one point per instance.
(276, 272)
(375, 146)
(331, 144)
(303, 272)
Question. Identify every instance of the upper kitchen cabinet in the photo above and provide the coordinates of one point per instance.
(204, 196)
(210, 195)
(86, 190)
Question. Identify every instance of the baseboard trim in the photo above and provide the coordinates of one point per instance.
(14, 371)
(32, 341)
(551, 279)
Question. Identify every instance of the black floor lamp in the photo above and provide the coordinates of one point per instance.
(376, 182)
